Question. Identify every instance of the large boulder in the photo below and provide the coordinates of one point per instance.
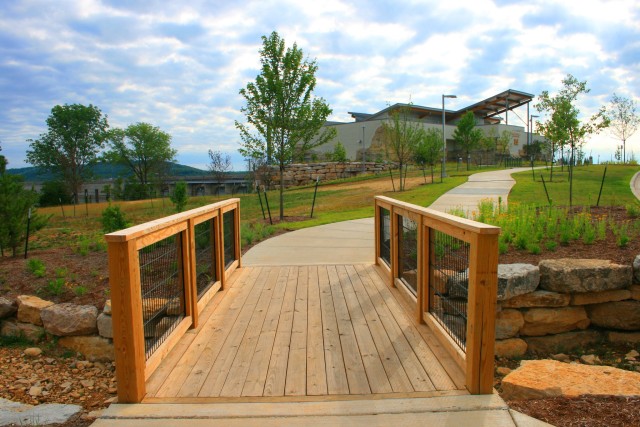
(544, 321)
(624, 315)
(538, 299)
(508, 323)
(105, 326)
(29, 308)
(516, 279)
(94, 348)
(635, 292)
(511, 347)
(539, 379)
(560, 343)
(69, 319)
(623, 337)
(568, 275)
(13, 328)
(7, 307)
(636, 268)
(599, 297)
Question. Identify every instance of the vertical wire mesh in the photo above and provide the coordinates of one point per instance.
(228, 220)
(449, 284)
(385, 235)
(161, 281)
(408, 253)
(205, 256)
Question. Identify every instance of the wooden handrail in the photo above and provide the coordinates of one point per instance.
(477, 358)
(132, 366)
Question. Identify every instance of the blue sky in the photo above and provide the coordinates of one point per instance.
(179, 65)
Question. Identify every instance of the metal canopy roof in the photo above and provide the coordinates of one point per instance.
(498, 104)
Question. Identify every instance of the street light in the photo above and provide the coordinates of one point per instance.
(444, 140)
(364, 151)
(530, 139)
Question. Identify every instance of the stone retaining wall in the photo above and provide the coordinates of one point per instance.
(554, 307)
(307, 173)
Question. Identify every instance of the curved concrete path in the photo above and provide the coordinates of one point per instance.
(635, 185)
(351, 242)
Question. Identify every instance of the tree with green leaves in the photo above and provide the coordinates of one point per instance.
(503, 144)
(563, 126)
(339, 153)
(219, 166)
(401, 135)
(3, 163)
(624, 120)
(145, 150)
(466, 135)
(488, 144)
(428, 150)
(179, 196)
(283, 119)
(76, 135)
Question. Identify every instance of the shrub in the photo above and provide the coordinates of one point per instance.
(179, 196)
(339, 153)
(54, 193)
(36, 267)
(113, 219)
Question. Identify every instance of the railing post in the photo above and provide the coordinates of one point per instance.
(376, 232)
(483, 284)
(128, 334)
(190, 275)
(236, 234)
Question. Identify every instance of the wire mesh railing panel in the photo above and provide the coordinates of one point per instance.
(205, 256)
(229, 226)
(385, 235)
(161, 281)
(408, 253)
(449, 284)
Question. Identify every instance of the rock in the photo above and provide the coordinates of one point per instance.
(635, 292)
(544, 321)
(568, 275)
(29, 308)
(561, 357)
(152, 306)
(600, 297)
(512, 347)
(69, 319)
(538, 379)
(632, 353)
(636, 268)
(624, 315)
(13, 328)
(7, 307)
(35, 391)
(551, 344)
(502, 370)
(94, 348)
(516, 279)
(590, 359)
(623, 337)
(174, 307)
(105, 326)
(22, 415)
(107, 307)
(538, 299)
(508, 323)
(87, 383)
(32, 351)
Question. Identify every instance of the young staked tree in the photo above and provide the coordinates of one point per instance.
(503, 143)
(466, 135)
(76, 135)
(219, 166)
(624, 120)
(284, 120)
(144, 149)
(428, 150)
(563, 126)
(488, 144)
(401, 135)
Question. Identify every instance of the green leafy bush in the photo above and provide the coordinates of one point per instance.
(113, 219)
(36, 267)
(179, 196)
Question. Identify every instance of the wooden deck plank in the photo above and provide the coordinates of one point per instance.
(395, 372)
(296, 383)
(316, 370)
(356, 374)
(242, 362)
(276, 374)
(218, 374)
(254, 384)
(380, 295)
(335, 370)
(376, 375)
(196, 360)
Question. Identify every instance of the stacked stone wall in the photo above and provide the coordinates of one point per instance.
(307, 173)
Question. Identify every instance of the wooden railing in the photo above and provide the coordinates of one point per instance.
(162, 273)
(447, 266)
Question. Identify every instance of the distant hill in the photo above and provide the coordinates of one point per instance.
(103, 171)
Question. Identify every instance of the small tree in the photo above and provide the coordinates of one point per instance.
(624, 120)
(219, 166)
(339, 153)
(428, 150)
(54, 193)
(401, 135)
(488, 144)
(503, 143)
(466, 135)
(179, 196)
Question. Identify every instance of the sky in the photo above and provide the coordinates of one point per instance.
(179, 65)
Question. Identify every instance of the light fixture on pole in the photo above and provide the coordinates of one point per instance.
(444, 140)
(530, 139)
(364, 151)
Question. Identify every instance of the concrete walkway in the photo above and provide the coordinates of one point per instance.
(351, 242)
(635, 185)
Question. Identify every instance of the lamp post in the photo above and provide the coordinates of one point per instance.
(364, 151)
(530, 139)
(444, 140)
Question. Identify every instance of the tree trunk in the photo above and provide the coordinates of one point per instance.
(281, 193)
